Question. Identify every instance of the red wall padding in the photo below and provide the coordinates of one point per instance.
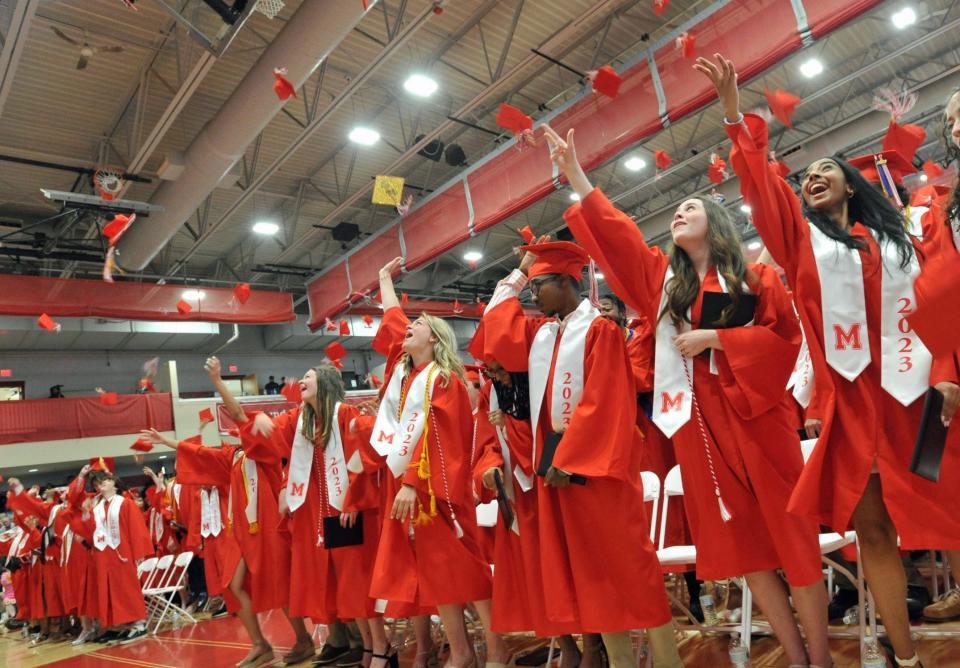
(754, 33)
(82, 417)
(79, 298)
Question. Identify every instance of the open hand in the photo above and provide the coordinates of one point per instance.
(694, 342)
(951, 398)
(723, 76)
(212, 366)
(404, 504)
(528, 258)
(813, 427)
(387, 271)
(348, 520)
(497, 419)
(262, 425)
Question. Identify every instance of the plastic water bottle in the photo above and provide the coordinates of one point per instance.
(709, 610)
(739, 656)
(871, 656)
(852, 616)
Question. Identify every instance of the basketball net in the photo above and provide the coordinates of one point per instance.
(108, 182)
(269, 8)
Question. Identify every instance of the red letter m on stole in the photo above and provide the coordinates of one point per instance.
(383, 437)
(850, 337)
(671, 404)
(296, 489)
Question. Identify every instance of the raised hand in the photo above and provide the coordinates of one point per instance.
(155, 436)
(212, 366)
(387, 270)
(723, 76)
(528, 258)
(563, 152)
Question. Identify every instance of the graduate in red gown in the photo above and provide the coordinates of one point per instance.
(598, 567)
(473, 382)
(256, 556)
(21, 547)
(429, 552)
(719, 392)
(79, 513)
(851, 267)
(328, 582)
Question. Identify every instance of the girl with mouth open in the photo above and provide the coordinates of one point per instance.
(851, 267)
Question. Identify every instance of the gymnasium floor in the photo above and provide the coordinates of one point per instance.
(220, 643)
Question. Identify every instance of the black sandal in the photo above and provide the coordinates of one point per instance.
(393, 660)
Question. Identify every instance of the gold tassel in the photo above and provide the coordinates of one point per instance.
(422, 518)
(254, 527)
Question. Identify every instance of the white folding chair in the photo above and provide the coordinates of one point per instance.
(153, 581)
(651, 494)
(168, 586)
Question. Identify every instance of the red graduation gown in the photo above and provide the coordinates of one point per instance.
(435, 567)
(325, 585)
(743, 407)
(518, 600)
(83, 532)
(266, 550)
(862, 424)
(119, 597)
(46, 594)
(599, 569)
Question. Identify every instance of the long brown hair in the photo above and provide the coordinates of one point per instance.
(725, 254)
(329, 392)
(444, 350)
(953, 154)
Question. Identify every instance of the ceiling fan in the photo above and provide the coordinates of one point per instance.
(86, 50)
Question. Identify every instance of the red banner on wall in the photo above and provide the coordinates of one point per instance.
(81, 298)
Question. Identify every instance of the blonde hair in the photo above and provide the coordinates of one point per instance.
(329, 392)
(444, 350)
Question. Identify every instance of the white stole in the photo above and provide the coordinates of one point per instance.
(301, 463)
(915, 216)
(210, 520)
(156, 525)
(19, 540)
(801, 380)
(396, 437)
(905, 362)
(66, 540)
(107, 533)
(525, 481)
(568, 371)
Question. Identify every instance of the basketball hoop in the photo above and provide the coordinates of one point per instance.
(269, 8)
(108, 182)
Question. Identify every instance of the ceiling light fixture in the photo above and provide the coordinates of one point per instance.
(473, 256)
(32, 470)
(575, 197)
(904, 18)
(598, 276)
(364, 136)
(266, 228)
(635, 164)
(420, 85)
(193, 295)
(811, 68)
(745, 208)
(754, 245)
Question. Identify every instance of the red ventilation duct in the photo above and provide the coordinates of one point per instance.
(661, 86)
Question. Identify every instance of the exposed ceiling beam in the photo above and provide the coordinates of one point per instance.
(14, 41)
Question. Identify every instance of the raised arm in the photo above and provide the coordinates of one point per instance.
(388, 295)
(776, 208)
(230, 402)
(632, 269)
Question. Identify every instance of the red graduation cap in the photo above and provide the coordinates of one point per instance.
(897, 165)
(404, 298)
(659, 6)
(511, 118)
(605, 81)
(117, 226)
(183, 307)
(932, 169)
(557, 257)
(344, 328)
(662, 159)
(904, 139)
(242, 292)
(282, 85)
(783, 105)
(109, 398)
(472, 372)
(142, 445)
(206, 415)
(368, 320)
(475, 347)
(335, 351)
(102, 464)
(717, 171)
(48, 323)
(687, 42)
(375, 380)
(526, 233)
(196, 440)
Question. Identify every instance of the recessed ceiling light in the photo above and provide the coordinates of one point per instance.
(905, 17)
(162, 457)
(754, 245)
(420, 85)
(635, 164)
(811, 68)
(266, 228)
(32, 470)
(364, 136)
(473, 256)
(923, 177)
(193, 295)
(598, 276)
(575, 197)
(745, 208)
